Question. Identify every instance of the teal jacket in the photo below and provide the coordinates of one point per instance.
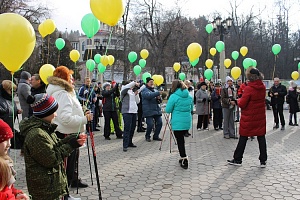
(180, 105)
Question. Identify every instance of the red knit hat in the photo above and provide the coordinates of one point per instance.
(43, 105)
(5, 131)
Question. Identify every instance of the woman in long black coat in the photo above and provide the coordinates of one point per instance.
(292, 100)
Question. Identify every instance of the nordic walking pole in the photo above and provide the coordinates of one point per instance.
(88, 148)
(163, 136)
(170, 128)
(95, 159)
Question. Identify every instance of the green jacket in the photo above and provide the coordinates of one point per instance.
(44, 156)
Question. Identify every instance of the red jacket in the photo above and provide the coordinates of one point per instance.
(9, 193)
(241, 90)
(252, 104)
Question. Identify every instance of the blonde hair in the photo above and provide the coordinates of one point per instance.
(5, 173)
(8, 85)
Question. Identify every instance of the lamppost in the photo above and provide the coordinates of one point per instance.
(222, 28)
(101, 50)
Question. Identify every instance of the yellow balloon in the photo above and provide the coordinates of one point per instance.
(104, 60)
(244, 50)
(295, 75)
(235, 72)
(107, 11)
(17, 41)
(160, 80)
(74, 55)
(194, 51)
(144, 54)
(111, 60)
(49, 26)
(213, 51)
(176, 67)
(209, 63)
(227, 62)
(42, 30)
(45, 71)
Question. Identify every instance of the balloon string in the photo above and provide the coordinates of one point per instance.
(274, 67)
(58, 58)
(43, 56)
(109, 40)
(74, 71)
(48, 48)
(13, 114)
(208, 45)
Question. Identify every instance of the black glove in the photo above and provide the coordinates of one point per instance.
(204, 100)
(219, 97)
(73, 142)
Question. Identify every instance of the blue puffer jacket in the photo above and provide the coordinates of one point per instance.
(180, 105)
(149, 102)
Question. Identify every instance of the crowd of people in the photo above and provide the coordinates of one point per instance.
(57, 118)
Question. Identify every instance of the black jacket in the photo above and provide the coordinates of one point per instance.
(108, 99)
(6, 108)
(293, 96)
(281, 90)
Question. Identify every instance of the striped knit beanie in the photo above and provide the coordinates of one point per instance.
(5, 131)
(42, 105)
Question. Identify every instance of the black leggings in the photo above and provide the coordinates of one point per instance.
(180, 142)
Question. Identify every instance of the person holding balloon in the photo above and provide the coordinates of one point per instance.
(292, 100)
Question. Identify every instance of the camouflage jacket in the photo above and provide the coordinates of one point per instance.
(44, 155)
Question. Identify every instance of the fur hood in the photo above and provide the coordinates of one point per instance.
(63, 84)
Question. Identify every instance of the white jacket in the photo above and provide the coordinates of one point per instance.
(70, 117)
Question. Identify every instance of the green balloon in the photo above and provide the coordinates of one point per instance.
(254, 63)
(60, 43)
(247, 63)
(142, 63)
(208, 73)
(235, 55)
(145, 76)
(97, 58)
(101, 68)
(90, 65)
(220, 46)
(195, 62)
(137, 70)
(299, 66)
(276, 48)
(90, 25)
(132, 56)
(182, 76)
(209, 28)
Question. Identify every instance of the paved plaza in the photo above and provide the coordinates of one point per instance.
(146, 172)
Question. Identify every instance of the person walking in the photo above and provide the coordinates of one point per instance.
(228, 98)
(180, 106)
(292, 100)
(129, 98)
(217, 107)
(253, 117)
(152, 110)
(277, 93)
(202, 106)
(24, 91)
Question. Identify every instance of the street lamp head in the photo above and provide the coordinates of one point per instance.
(214, 25)
(224, 24)
(229, 22)
(218, 21)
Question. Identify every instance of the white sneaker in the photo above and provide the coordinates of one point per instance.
(199, 129)
(73, 198)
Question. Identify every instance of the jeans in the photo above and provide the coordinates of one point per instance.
(278, 110)
(217, 118)
(114, 116)
(239, 151)
(129, 127)
(158, 126)
(180, 142)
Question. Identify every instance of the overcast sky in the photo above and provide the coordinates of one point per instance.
(67, 14)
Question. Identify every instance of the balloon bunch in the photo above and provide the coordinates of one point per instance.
(132, 57)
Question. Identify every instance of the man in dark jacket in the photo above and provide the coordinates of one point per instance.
(110, 109)
(151, 109)
(37, 87)
(277, 93)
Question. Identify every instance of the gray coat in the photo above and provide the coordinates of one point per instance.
(23, 92)
(202, 108)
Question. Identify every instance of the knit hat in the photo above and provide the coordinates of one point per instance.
(106, 84)
(5, 131)
(148, 79)
(42, 105)
(203, 83)
(25, 75)
(228, 78)
(293, 84)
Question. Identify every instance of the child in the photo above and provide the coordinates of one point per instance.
(7, 190)
(44, 153)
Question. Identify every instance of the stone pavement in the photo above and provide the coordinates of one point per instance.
(148, 173)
